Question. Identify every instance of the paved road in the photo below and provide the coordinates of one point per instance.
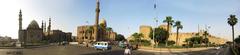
(76, 50)
(221, 51)
(67, 50)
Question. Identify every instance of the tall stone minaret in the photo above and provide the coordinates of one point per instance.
(96, 22)
(49, 26)
(42, 25)
(20, 20)
(20, 37)
(44, 28)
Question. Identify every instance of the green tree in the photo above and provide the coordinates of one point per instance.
(194, 40)
(151, 34)
(120, 37)
(232, 20)
(205, 40)
(137, 37)
(237, 40)
(178, 25)
(160, 35)
(169, 22)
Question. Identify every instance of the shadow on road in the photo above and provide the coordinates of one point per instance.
(109, 52)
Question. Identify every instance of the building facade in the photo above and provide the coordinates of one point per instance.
(86, 33)
(32, 35)
(36, 35)
(145, 30)
(57, 36)
(6, 41)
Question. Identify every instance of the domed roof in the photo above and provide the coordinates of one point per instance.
(103, 21)
(33, 25)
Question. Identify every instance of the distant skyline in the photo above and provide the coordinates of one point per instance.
(124, 16)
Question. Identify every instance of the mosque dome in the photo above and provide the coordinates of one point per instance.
(33, 25)
(103, 22)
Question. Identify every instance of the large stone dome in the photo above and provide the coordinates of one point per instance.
(33, 25)
(103, 22)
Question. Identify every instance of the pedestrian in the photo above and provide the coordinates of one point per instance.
(127, 51)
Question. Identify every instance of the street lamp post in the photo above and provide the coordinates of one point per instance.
(155, 19)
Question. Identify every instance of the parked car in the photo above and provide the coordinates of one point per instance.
(121, 44)
(64, 43)
(217, 48)
(102, 45)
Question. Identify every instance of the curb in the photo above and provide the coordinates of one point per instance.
(234, 52)
(171, 50)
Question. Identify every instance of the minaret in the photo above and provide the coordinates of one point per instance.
(49, 26)
(96, 21)
(20, 20)
(20, 37)
(42, 25)
(44, 28)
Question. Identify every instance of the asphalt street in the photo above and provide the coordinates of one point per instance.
(77, 50)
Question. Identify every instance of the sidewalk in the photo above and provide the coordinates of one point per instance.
(150, 49)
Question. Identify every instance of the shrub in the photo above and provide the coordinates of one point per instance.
(145, 42)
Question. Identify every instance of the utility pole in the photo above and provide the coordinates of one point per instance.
(155, 20)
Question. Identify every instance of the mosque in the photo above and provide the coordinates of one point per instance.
(96, 32)
(86, 33)
(32, 35)
(36, 35)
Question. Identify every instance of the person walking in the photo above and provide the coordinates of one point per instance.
(127, 51)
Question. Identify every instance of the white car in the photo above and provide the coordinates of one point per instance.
(102, 45)
(217, 48)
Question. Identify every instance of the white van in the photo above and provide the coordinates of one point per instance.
(102, 45)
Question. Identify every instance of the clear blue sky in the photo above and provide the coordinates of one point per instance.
(124, 16)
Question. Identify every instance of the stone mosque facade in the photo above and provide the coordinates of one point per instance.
(36, 35)
(96, 32)
(32, 35)
(86, 33)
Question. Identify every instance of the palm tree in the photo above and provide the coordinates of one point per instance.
(169, 22)
(178, 25)
(232, 20)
